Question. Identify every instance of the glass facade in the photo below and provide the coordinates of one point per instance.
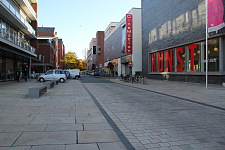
(187, 58)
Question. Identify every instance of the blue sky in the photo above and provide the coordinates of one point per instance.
(77, 21)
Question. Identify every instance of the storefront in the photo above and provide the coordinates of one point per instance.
(10, 63)
(188, 62)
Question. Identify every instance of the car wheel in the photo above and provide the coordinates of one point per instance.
(61, 80)
(42, 80)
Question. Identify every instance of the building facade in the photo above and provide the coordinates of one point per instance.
(174, 46)
(18, 25)
(100, 52)
(61, 53)
(123, 44)
(91, 56)
(47, 50)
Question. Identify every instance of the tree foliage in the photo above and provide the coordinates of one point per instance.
(72, 62)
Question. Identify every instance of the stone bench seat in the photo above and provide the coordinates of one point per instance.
(34, 92)
(49, 84)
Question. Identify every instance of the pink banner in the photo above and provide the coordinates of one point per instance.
(215, 15)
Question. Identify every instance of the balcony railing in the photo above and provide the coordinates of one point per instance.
(30, 7)
(17, 41)
(18, 15)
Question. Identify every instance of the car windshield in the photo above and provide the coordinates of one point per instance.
(49, 72)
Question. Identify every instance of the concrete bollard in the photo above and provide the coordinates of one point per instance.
(223, 84)
(144, 80)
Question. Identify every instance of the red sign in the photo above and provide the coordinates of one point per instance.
(157, 59)
(129, 37)
(130, 63)
(215, 15)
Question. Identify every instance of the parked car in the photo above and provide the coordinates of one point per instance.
(74, 73)
(55, 74)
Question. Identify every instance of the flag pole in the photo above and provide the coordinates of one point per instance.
(206, 49)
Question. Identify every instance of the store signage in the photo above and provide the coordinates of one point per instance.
(130, 63)
(129, 37)
(215, 15)
(170, 61)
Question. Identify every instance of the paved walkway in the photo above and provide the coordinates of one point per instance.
(65, 118)
(214, 96)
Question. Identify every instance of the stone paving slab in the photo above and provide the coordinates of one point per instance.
(97, 126)
(16, 148)
(97, 136)
(64, 127)
(16, 120)
(97, 119)
(53, 120)
(43, 138)
(48, 147)
(82, 147)
(7, 139)
(25, 128)
(112, 146)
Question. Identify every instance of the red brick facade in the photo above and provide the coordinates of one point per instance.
(100, 50)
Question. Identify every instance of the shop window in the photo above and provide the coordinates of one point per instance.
(9, 69)
(213, 55)
(94, 49)
(194, 63)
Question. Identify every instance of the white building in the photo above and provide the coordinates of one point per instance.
(115, 44)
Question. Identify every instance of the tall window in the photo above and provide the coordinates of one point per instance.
(94, 49)
(213, 55)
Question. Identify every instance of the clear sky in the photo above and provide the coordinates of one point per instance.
(77, 21)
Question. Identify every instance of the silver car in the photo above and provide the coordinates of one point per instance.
(55, 74)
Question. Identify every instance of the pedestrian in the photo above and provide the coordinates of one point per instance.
(25, 74)
(116, 73)
(18, 75)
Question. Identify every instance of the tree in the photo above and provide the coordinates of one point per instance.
(70, 60)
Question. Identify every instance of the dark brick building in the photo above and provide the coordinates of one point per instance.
(173, 40)
(100, 51)
(47, 49)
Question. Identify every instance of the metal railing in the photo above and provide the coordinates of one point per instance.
(18, 15)
(17, 41)
(30, 7)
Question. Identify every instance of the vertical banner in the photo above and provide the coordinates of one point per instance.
(129, 37)
(215, 15)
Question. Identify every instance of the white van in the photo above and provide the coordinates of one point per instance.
(74, 73)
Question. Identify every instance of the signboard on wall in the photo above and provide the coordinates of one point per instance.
(129, 37)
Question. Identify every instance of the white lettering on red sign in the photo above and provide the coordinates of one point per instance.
(129, 36)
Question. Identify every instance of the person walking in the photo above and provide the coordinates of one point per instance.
(25, 74)
(18, 75)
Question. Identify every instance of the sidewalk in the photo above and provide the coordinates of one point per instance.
(65, 118)
(194, 92)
